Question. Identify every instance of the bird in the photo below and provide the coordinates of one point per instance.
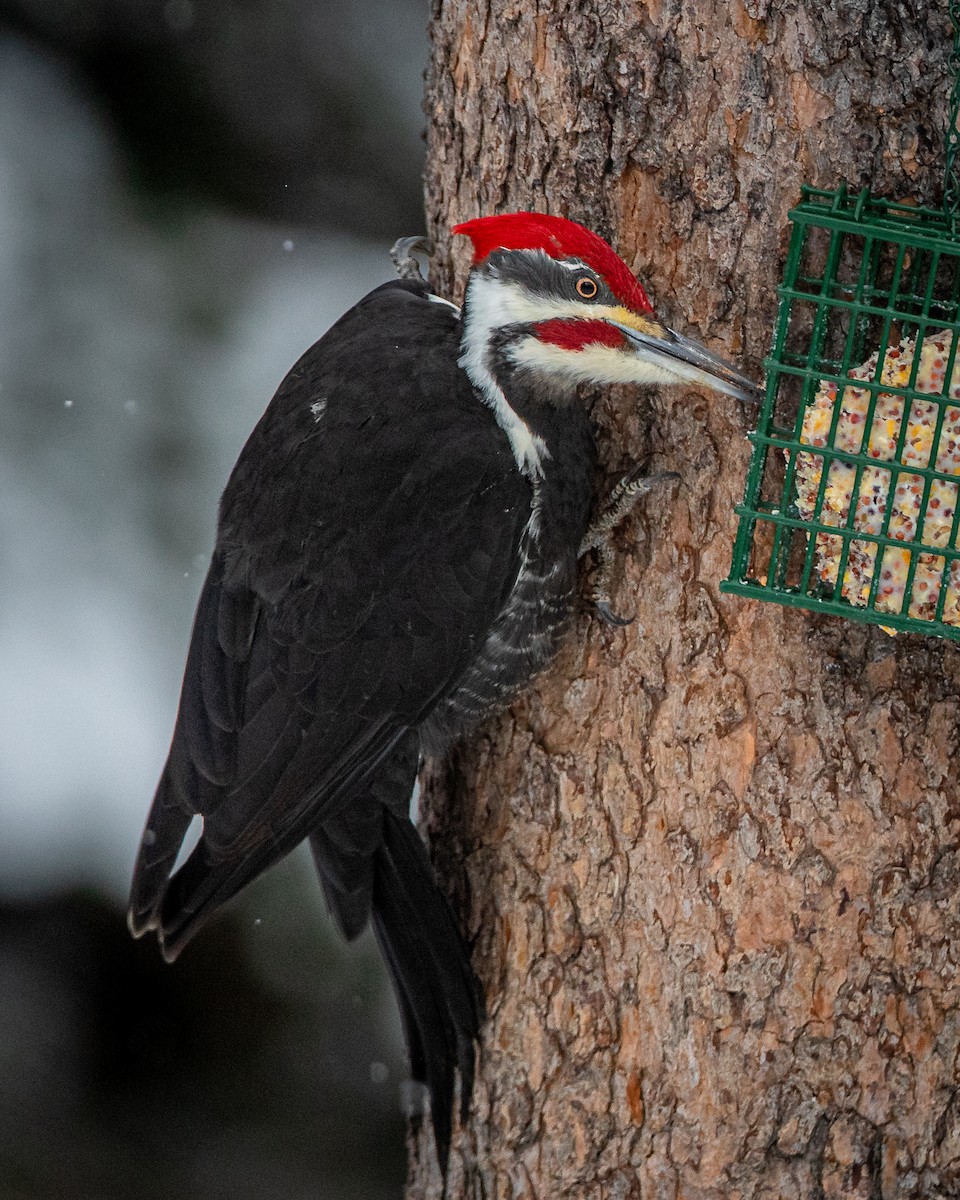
(396, 558)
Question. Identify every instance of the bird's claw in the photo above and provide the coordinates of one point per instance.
(402, 256)
(609, 617)
(619, 503)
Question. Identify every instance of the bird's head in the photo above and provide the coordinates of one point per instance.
(552, 298)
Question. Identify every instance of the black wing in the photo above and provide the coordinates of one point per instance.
(368, 538)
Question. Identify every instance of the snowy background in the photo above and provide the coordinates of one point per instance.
(189, 195)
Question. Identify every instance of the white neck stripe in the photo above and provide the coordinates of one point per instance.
(485, 312)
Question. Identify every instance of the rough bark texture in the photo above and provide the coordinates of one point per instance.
(711, 863)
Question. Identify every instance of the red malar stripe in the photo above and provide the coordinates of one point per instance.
(574, 334)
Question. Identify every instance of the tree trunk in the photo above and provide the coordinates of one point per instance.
(711, 862)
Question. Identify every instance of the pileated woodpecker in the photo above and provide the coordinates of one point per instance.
(396, 557)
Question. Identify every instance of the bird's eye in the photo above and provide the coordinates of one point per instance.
(586, 287)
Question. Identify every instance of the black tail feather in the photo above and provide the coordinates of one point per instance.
(430, 967)
(373, 865)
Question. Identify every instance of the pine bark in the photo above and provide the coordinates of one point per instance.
(711, 863)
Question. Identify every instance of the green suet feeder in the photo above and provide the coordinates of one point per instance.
(851, 504)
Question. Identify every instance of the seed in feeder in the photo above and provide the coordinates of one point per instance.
(877, 435)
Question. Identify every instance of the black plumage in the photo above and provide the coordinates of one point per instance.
(396, 556)
(384, 574)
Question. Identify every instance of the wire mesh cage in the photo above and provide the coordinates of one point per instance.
(851, 503)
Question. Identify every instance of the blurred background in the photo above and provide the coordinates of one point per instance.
(191, 191)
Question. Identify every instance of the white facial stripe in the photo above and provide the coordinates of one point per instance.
(485, 312)
(594, 363)
(512, 304)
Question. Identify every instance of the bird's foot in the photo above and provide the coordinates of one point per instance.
(599, 536)
(402, 256)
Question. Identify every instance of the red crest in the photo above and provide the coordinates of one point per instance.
(559, 238)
